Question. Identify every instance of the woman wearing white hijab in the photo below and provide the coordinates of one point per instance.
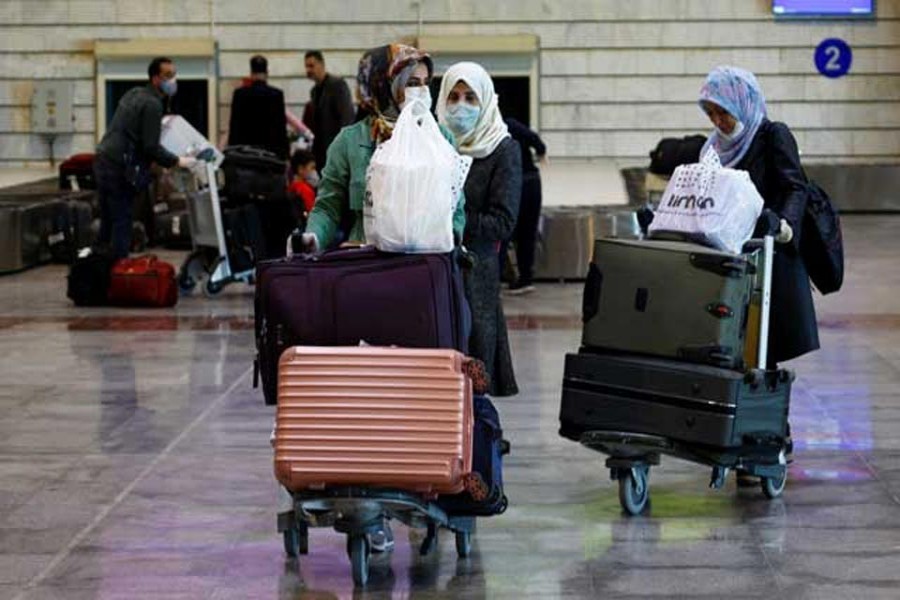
(467, 105)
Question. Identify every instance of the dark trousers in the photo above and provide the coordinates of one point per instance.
(116, 198)
(525, 234)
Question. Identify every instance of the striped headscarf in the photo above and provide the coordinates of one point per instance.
(736, 91)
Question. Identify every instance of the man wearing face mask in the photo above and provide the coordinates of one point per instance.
(128, 148)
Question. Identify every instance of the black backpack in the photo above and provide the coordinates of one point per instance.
(821, 242)
(671, 153)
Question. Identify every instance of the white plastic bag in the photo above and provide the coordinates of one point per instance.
(413, 185)
(716, 205)
(180, 138)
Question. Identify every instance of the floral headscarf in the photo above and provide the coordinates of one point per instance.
(383, 73)
(738, 92)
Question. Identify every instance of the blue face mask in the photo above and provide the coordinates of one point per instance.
(168, 87)
(462, 117)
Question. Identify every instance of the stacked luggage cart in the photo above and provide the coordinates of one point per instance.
(378, 417)
(674, 361)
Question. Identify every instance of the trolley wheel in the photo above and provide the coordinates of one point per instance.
(212, 288)
(186, 285)
(291, 542)
(358, 549)
(463, 544)
(773, 487)
(634, 490)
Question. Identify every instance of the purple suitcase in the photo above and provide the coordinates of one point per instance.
(346, 296)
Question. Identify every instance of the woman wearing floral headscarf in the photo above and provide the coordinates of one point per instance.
(389, 77)
(468, 107)
(745, 139)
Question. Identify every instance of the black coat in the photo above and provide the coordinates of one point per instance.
(773, 163)
(493, 189)
(332, 110)
(258, 118)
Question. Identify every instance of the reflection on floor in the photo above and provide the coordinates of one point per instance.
(134, 463)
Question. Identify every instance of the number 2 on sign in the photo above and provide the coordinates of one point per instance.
(834, 58)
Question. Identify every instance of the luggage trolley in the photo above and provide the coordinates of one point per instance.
(631, 454)
(359, 512)
(210, 262)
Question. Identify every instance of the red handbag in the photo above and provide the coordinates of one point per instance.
(143, 281)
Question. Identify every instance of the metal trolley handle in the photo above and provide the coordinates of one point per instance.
(767, 245)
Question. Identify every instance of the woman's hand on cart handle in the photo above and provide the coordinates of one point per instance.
(186, 162)
(302, 243)
(785, 233)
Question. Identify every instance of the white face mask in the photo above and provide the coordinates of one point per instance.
(312, 178)
(421, 93)
(738, 129)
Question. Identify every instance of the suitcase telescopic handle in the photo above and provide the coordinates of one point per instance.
(768, 250)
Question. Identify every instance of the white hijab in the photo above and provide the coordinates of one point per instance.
(490, 129)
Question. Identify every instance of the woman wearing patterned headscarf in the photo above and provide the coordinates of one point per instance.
(468, 107)
(389, 77)
(746, 139)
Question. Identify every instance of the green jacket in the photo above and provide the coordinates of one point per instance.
(343, 186)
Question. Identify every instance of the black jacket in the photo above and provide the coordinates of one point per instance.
(528, 140)
(258, 118)
(773, 163)
(332, 111)
(135, 128)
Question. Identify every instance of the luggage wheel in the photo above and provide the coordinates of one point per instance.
(634, 488)
(296, 541)
(430, 541)
(773, 487)
(718, 476)
(358, 551)
(463, 544)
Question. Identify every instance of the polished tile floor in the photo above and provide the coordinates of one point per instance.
(135, 463)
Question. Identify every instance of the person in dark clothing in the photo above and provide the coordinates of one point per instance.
(332, 105)
(525, 234)
(468, 107)
(258, 113)
(128, 148)
(745, 139)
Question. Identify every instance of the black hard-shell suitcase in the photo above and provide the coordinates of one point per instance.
(695, 404)
(668, 299)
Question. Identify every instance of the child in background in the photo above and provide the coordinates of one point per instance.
(305, 179)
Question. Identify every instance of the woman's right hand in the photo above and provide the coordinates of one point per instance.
(301, 243)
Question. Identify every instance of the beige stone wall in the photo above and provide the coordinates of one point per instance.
(615, 75)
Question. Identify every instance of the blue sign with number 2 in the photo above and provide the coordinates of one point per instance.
(833, 58)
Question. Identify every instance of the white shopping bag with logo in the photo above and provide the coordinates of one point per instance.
(413, 186)
(714, 205)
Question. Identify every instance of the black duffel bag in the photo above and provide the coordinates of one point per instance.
(253, 174)
(671, 153)
(89, 278)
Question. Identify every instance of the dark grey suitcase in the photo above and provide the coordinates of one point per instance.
(694, 404)
(29, 226)
(668, 299)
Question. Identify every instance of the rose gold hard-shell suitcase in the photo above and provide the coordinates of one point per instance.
(371, 416)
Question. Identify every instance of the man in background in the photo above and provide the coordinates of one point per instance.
(332, 105)
(258, 113)
(127, 150)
